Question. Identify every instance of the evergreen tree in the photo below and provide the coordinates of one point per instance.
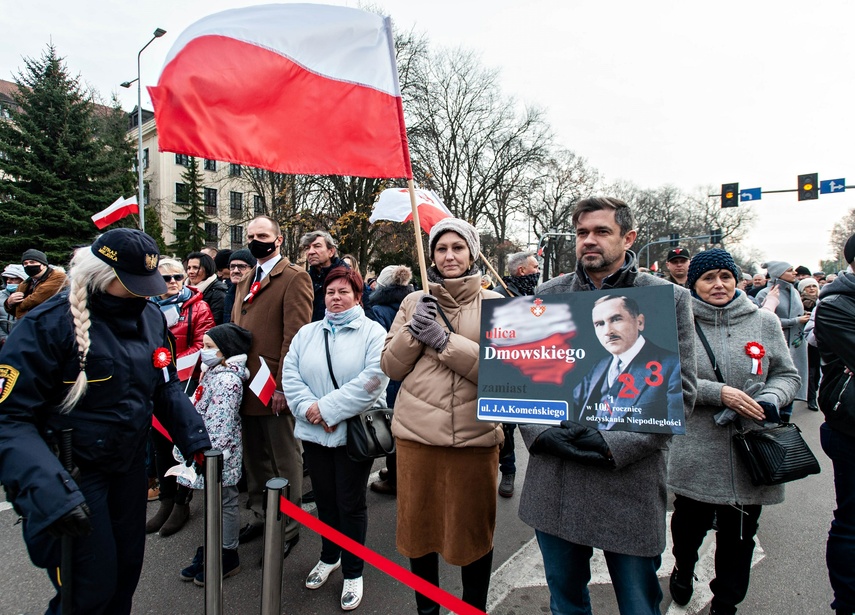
(190, 214)
(61, 161)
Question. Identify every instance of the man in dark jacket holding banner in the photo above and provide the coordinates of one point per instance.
(584, 487)
(835, 336)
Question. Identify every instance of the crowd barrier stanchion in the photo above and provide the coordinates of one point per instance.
(213, 532)
(271, 561)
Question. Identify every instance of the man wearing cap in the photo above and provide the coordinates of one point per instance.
(585, 488)
(677, 264)
(43, 282)
(96, 360)
(835, 336)
(321, 257)
(240, 264)
(272, 302)
(13, 277)
(802, 272)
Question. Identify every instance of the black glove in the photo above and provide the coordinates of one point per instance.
(562, 442)
(74, 523)
(424, 327)
(197, 457)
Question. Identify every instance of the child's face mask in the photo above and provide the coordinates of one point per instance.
(211, 357)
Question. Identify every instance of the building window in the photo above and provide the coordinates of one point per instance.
(210, 165)
(237, 237)
(212, 234)
(234, 170)
(145, 158)
(182, 193)
(210, 201)
(182, 159)
(236, 203)
(258, 205)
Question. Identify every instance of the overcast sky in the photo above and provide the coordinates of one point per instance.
(657, 92)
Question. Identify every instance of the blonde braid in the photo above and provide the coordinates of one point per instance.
(78, 299)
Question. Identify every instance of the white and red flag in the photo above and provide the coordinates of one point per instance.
(292, 88)
(186, 365)
(394, 204)
(263, 384)
(120, 208)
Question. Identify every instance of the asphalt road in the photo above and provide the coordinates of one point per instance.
(789, 576)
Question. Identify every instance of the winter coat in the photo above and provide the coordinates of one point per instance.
(835, 336)
(437, 402)
(703, 464)
(110, 423)
(282, 305)
(213, 292)
(319, 276)
(7, 321)
(194, 320)
(620, 510)
(355, 354)
(217, 400)
(37, 292)
(383, 307)
(788, 311)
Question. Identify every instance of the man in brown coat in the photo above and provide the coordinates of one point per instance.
(272, 302)
(43, 283)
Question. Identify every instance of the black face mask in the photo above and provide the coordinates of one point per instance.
(261, 249)
(118, 307)
(32, 270)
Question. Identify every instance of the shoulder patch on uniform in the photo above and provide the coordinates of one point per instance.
(8, 376)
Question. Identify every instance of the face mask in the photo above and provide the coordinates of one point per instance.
(32, 270)
(210, 358)
(11, 287)
(261, 249)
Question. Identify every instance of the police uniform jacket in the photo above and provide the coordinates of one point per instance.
(110, 423)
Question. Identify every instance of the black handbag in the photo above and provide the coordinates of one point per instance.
(775, 453)
(369, 433)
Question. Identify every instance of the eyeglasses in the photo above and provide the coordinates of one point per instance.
(239, 267)
(169, 278)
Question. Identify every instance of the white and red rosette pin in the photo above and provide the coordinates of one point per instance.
(756, 352)
(161, 360)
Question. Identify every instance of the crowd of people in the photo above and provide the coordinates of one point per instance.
(98, 352)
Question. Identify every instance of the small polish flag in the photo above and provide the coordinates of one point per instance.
(120, 208)
(263, 383)
(394, 204)
(186, 365)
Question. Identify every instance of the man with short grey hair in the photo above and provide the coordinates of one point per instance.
(321, 258)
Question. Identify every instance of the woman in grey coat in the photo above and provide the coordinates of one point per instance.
(704, 471)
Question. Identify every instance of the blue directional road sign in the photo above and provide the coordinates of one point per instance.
(830, 186)
(750, 194)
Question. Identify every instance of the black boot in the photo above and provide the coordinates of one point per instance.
(160, 517)
(475, 578)
(231, 566)
(682, 586)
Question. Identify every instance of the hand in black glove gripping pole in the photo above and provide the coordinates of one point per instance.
(574, 442)
(74, 523)
(424, 326)
(197, 457)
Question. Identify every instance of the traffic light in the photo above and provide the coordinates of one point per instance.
(715, 235)
(675, 240)
(808, 187)
(730, 195)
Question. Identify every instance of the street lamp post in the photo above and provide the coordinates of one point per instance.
(157, 34)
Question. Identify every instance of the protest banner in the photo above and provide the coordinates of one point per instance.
(607, 359)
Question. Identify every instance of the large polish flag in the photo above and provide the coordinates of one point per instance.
(394, 204)
(120, 208)
(292, 88)
(263, 384)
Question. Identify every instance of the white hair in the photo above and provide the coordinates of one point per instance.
(88, 274)
(171, 264)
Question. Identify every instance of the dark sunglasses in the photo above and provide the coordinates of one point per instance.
(169, 278)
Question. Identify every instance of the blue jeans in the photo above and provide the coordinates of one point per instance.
(568, 572)
(840, 550)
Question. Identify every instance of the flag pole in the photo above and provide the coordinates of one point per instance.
(495, 273)
(417, 228)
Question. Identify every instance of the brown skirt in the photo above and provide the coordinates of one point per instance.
(446, 501)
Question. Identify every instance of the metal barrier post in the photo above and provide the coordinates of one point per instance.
(213, 532)
(271, 562)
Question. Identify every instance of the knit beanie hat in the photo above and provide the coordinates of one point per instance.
(776, 268)
(849, 249)
(802, 270)
(395, 275)
(243, 255)
(230, 339)
(715, 258)
(462, 228)
(807, 282)
(35, 255)
(221, 260)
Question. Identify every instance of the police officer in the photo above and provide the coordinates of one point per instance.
(96, 359)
